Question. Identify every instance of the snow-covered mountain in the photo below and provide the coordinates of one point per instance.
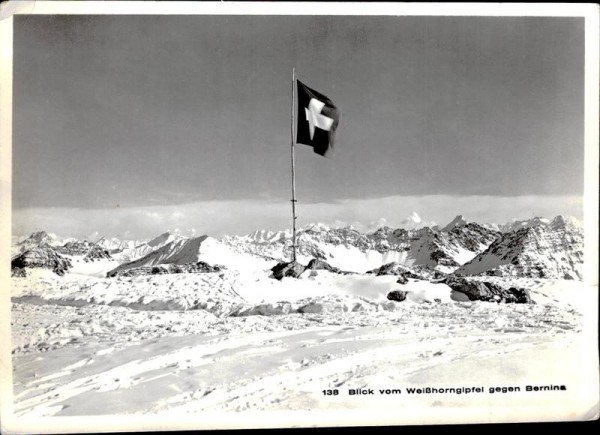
(162, 240)
(516, 225)
(36, 239)
(458, 221)
(183, 251)
(537, 247)
(185, 339)
(115, 244)
(90, 251)
(130, 250)
(541, 249)
(445, 250)
(349, 249)
(44, 257)
(174, 252)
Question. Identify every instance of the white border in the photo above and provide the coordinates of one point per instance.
(215, 420)
(304, 8)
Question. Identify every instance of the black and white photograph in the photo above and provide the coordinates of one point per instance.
(254, 215)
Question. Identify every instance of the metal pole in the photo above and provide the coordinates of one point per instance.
(293, 171)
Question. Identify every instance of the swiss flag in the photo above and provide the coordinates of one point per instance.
(318, 119)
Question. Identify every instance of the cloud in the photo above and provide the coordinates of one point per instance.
(243, 216)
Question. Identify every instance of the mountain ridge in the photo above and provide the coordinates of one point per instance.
(461, 247)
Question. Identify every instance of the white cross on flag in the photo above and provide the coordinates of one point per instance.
(318, 119)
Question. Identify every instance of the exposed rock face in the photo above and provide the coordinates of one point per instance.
(396, 295)
(487, 291)
(386, 238)
(458, 221)
(161, 269)
(398, 270)
(316, 264)
(291, 269)
(43, 256)
(39, 238)
(553, 250)
(446, 250)
(96, 253)
(36, 239)
(91, 251)
(473, 237)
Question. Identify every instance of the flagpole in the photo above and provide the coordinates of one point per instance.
(293, 171)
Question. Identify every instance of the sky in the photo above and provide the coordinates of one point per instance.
(132, 125)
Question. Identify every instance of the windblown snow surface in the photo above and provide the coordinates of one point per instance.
(239, 340)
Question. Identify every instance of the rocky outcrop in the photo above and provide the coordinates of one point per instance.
(316, 264)
(90, 251)
(96, 253)
(162, 269)
(476, 290)
(291, 269)
(43, 256)
(402, 272)
(295, 269)
(396, 295)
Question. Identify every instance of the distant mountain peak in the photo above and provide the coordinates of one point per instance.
(562, 221)
(458, 221)
(536, 248)
(40, 237)
(164, 238)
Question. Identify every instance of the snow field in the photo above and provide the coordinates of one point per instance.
(156, 362)
(238, 341)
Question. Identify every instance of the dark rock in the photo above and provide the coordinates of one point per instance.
(311, 308)
(316, 264)
(156, 270)
(396, 295)
(42, 256)
(96, 253)
(394, 268)
(518, 296)
(486, 291)
(442, 258)
(386, 269)
(402, 279)
(276, 309)
(434, 274)
(18, 272)
(91, 251)
(162, 269)
(293, 269)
